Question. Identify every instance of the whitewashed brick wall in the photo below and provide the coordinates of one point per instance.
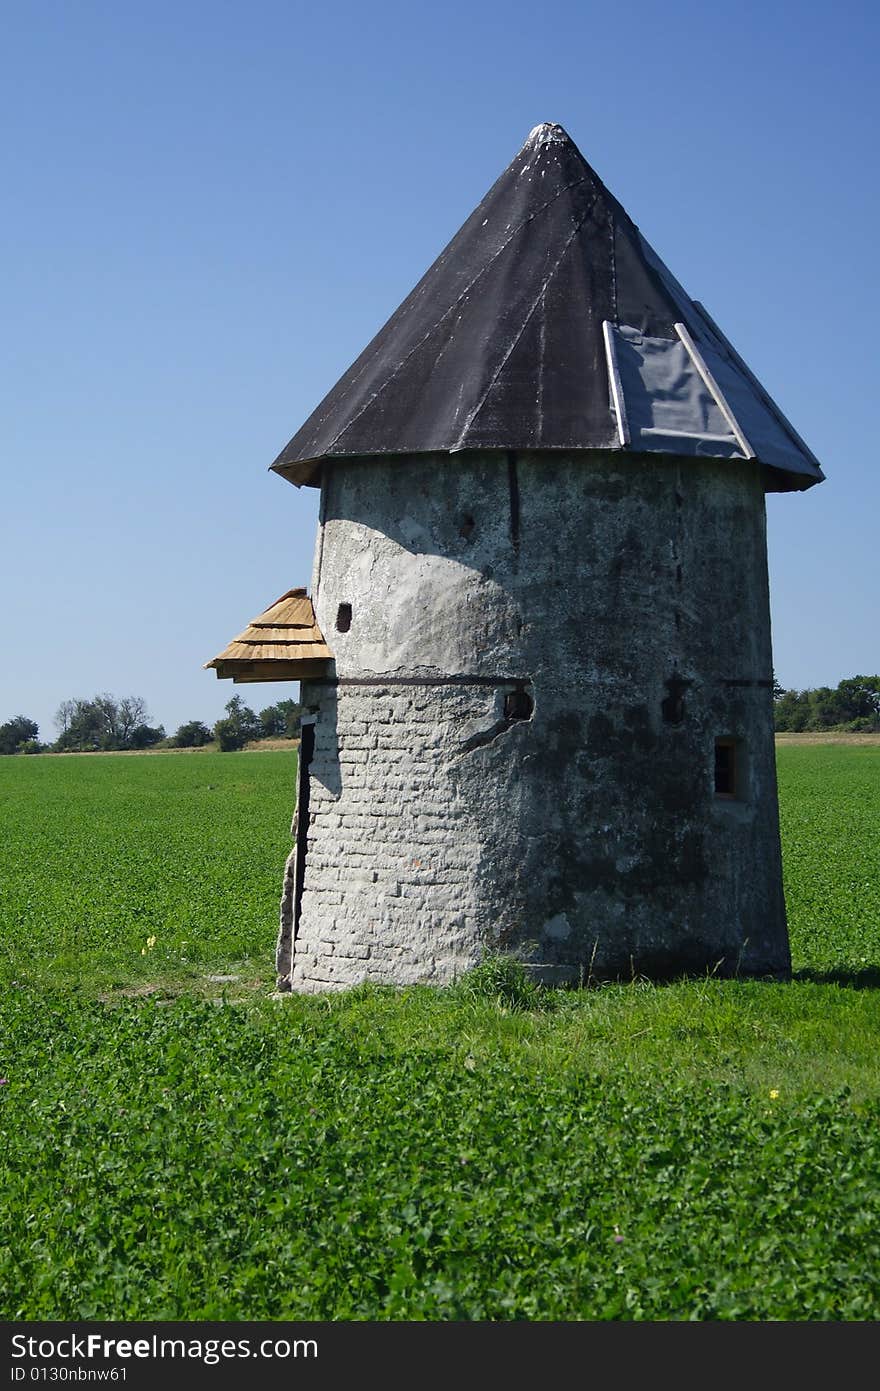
(392, 856)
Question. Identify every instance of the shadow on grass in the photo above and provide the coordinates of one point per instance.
(868, 979)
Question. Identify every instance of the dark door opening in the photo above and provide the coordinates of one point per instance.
(306, 750)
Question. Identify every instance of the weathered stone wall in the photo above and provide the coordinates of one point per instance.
(628, 598)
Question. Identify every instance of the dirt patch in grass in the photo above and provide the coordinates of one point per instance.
(205, 987)
(831, 737)
(128, 992)
(270, 745)
(255, 746)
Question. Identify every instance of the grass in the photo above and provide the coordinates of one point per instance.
(830, 822)
(100, 853)
(177, 1147)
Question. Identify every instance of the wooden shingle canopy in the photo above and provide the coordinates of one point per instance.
(284, 643)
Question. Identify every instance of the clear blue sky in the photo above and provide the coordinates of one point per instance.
(210, 208)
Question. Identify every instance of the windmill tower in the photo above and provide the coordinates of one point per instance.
(536, 659)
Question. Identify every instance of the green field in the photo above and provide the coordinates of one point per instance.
(829, 803)
(176, 1146)
(102, 851)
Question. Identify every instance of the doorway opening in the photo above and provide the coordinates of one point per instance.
(306, 752)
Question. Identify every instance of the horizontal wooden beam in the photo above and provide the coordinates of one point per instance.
(271, 670)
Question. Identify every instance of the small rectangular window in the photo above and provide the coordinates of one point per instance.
(725, 768)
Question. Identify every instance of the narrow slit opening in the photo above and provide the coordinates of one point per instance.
(726, 781)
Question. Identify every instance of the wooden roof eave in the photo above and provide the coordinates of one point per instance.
(284, 643)
(276, 670)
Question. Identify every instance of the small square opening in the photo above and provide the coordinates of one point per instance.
(343, 618)
(518, 705)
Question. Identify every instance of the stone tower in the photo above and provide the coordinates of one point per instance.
(536, 663)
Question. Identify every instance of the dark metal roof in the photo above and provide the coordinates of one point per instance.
(549, 323)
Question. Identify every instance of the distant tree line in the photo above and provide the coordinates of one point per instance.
(104, 723)
(19, 735)
(241, 725)
(853, 705)
(107, 724)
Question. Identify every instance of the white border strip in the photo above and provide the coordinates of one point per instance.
(615, 384)
(694, 355)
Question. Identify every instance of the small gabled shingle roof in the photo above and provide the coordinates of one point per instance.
(549, 323)
(284, 643)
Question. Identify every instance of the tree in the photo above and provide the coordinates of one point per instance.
(791, 712)
(143, 737)
(280, 721)
(16, 732)
(103, 723)
(240, 725)
(64, 716)
(859, 698)
(228, 736)
(132, 715)
(824, 709)
(271, 724)
(853, 704)
(192, 735)
(81, 725)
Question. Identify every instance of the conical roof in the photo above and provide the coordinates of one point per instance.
(283, 643)
(549, 323)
